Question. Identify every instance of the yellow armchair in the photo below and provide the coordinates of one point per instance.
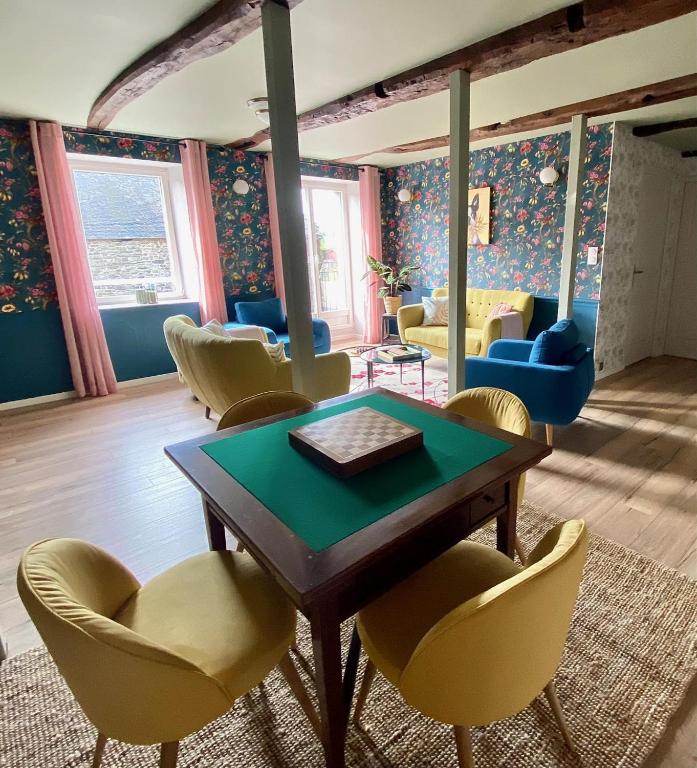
(220, 371)
(480, 331)
(152, 664)
(472, 637)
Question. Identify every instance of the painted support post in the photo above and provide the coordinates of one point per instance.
(278, 58)
(457, 246)
(572, 218)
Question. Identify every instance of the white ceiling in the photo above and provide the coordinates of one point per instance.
(59, 61)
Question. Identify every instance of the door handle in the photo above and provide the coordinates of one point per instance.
(638, 271)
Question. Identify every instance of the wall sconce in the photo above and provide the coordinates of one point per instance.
(260, 107)
(404, 195)
(549, 175)
(240, 187)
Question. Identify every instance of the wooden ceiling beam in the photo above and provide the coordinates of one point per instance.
(623, 101)
(215, 30)
(671, 125)
(573, 27)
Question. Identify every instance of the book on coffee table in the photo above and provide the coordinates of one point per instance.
(399, 353)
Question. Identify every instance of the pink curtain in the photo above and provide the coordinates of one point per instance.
(88, 354)
(369, 192)
(273, 226)
(202, 220)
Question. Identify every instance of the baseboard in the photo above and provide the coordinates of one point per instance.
(30, 402)
(147, 380)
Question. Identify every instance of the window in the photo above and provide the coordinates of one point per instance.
(330, 208)
(136, 228)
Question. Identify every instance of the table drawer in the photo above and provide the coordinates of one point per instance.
(487, 504)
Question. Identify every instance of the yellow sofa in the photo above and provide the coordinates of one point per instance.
(221, 370)
(480, 331)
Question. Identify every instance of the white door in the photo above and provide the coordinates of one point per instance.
(681, 336)
(652, 212)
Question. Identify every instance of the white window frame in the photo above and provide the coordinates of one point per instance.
(176, 221)
(343, 320)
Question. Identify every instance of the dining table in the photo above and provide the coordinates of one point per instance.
(336, 544)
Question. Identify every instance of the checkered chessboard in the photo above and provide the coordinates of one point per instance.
(353, 434)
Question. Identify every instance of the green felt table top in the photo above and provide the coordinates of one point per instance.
(322, 509)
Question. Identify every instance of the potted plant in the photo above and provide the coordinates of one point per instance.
(393, 283)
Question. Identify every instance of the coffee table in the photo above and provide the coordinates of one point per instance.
(333, 545)
(371, 358)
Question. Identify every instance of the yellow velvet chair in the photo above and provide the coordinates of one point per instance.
(152, 664)
(497, 408)
(261, 406)
(480, 331)
(221, 370)
(472, 637)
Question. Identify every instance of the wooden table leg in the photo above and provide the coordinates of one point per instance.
(326, 647)
(215, 530)
(506, 525)
(351, 671)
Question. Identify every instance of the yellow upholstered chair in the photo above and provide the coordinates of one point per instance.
(472, 637)
(497, 408)
(222, 370)
(152, 664)
(261, 406)
(480, 331)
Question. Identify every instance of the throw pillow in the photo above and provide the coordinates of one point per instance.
(277, 352)
(435, 310)
(267, 313)
(551, 345)
(215, 327)
(574, 355)
(499, 309)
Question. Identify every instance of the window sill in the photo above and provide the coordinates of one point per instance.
(133, 304)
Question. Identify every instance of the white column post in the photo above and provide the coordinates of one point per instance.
(457, 260)
(278, 58)
(574, 186)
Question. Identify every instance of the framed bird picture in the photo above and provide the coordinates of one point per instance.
(479, 203)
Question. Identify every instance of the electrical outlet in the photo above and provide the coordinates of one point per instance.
(592, 255)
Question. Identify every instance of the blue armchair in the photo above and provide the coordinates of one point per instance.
(269, 315)
(553, 394)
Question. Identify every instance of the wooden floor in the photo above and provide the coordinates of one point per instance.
(96, 470)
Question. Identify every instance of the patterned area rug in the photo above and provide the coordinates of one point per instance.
(388, 376)
(629, 659)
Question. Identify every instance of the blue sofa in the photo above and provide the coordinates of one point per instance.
(553, 392)
(268, 314)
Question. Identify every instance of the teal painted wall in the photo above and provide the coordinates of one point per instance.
(33, 358)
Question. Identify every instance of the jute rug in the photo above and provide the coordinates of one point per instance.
(630, 657)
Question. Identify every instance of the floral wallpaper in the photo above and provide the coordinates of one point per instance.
(124, 145)
(527, 218)
(242, 222)
(328, 170)
(26, 273)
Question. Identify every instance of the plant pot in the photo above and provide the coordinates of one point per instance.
(392, 304)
